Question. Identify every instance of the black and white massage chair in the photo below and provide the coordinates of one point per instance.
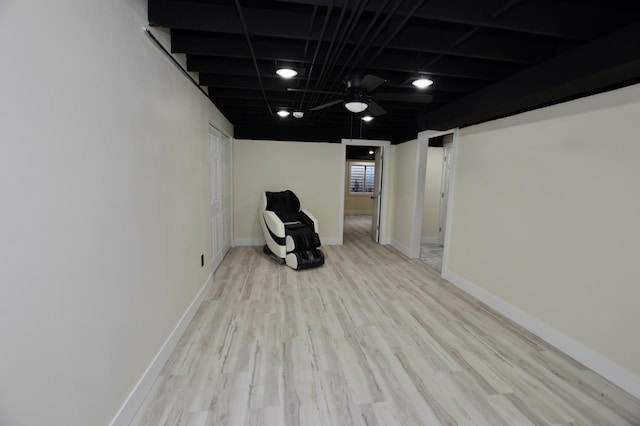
(291, 233)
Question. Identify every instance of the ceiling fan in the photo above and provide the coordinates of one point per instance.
(358, 97)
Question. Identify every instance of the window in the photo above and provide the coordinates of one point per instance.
(361, 178)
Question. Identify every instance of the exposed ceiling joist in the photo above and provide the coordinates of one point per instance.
(486, 59)
(563, 20)
(598, 65)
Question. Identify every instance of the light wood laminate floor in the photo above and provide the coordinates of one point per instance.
(371, 338)
(431, 254)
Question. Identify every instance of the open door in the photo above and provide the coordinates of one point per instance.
(444, 193)
(377, 184)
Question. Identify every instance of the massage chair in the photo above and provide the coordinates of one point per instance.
(291, 233)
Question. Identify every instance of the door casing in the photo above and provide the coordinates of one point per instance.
(384, 189)
(416, 234)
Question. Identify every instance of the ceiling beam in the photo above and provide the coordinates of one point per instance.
(490, 44)
(222, 18)
(246, 82)
(389, 61)
(449, 66)
(443, 91)
(604, 63)
(413, 39)
(237, 93)
(541, 17)
(291, 131)
(235, 46)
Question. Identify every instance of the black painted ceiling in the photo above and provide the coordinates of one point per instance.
(356, 152)
(487, 58)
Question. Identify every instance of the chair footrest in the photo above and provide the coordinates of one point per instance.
(305, 259)
(299, 259)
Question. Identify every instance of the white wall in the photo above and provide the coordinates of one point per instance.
(545, 218)
(432, 190)
(104, 214)
(313, 171)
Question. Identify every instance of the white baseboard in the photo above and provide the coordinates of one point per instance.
(141, 389)
(429, 240)
(248, 242)
(591, 359)
(401, 248)
(359, 212)
(330, 241)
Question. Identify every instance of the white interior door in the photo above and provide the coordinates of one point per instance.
(444, 192)
(219, 203)
(377, 185)
(214, 201)
(225, 193)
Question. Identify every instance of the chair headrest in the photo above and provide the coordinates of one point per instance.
(282, 203)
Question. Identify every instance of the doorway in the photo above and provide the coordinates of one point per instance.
(365, 185)
(436, 154)
(360, 189)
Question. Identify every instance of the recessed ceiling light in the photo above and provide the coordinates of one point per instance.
(298, 114)
(422, 82)
(371, 152)
(286, 72)
(367, 118)
(283, 113)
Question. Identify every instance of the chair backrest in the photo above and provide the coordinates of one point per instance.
(284, 204)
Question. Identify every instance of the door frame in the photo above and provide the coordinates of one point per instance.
(378, 162)
(384, 189)
(416, 236)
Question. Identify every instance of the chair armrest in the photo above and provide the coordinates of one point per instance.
(274, 224)
(312, 217)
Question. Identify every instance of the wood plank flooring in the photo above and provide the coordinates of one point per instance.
(371, 338)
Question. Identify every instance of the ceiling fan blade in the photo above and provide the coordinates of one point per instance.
(399, 97)
(290, 89)
(370, 83)
(375, 109)
(328, 104)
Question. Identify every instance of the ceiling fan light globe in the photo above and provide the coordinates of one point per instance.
(286, 72)
(367, 118)
(298, 114)
(356, 106)
(283, 113)
(422, 82)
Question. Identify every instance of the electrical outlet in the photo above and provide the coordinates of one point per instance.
(202, 260)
